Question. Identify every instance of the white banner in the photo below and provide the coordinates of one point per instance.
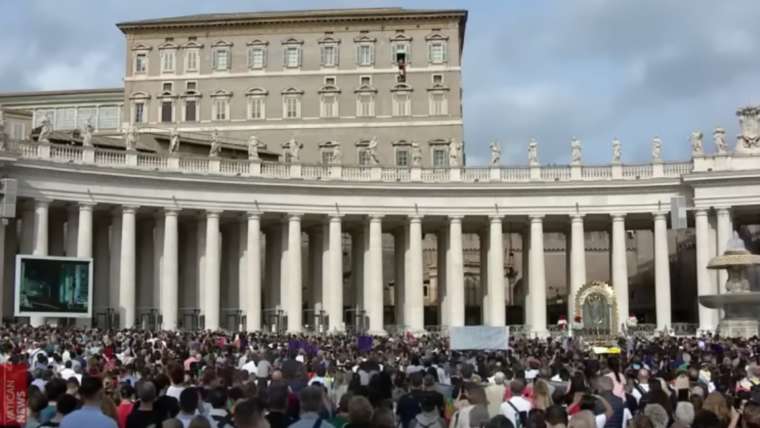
(479, 338)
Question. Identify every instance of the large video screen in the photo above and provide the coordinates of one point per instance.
(53, 286)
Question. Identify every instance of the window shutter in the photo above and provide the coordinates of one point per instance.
(429, 52)
(408, 53)
(323, 55)
(393, 52)
(285, 56)
(229, 59)
(445, 47)
(358, 54)
(337, 55)
(264, 53)
(214, 54)
(371, 54)
(300, 56)
(250, 57)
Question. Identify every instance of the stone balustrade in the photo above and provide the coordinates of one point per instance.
(204, 165)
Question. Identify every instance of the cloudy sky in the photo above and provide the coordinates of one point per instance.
(552, 70)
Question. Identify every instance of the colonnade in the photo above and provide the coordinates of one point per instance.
(271, 263)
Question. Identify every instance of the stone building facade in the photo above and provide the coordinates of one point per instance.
(322, 78)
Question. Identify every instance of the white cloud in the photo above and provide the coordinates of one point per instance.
(90, 70)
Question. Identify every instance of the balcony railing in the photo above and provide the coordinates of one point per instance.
(204, 165)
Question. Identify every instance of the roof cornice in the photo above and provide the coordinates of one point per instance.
(299, 17)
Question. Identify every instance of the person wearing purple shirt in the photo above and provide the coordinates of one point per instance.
(89, 415)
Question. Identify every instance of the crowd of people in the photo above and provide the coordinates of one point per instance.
(88, 378)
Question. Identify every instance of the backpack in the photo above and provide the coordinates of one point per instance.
(222, 421)
(521, 418)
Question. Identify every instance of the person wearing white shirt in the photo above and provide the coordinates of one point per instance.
(512, 408)
(641, 386)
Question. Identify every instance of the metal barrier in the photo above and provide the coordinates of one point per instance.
(191, 319)
(106, 320)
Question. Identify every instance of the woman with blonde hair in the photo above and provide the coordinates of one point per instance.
(716, 403)
(542, 397)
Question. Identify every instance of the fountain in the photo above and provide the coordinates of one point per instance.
(740, 303)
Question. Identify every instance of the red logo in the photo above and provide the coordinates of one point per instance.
(13, 400)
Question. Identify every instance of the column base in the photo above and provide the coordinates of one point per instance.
(377, 332)
(739, 328)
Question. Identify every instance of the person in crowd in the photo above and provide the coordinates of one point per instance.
(410, 404)
(430, 416)
(54, 389)
(65, 404)
(248, 415)
(189, 405)
(517, 407)
(127, 395)
(177, 376)
(495, 393)
(145, 413)
(684, 415)
(90, 414)
(217, 398)
(359, 412)
(311, 401)
(556, 416)
(278, 406)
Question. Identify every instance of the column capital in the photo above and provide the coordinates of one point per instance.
(723, 210)
(213, 213)
(294, 216)
(577, 217)
(617, 217)
(536, 218)
(375, 217)
(129, 209)
(495, 218)
(171, 212)
(42, 203)
(700, 212)
(658, 215)
(415, 218)
(335, 218)
(253, 215)
(455, 218)
(87, 205)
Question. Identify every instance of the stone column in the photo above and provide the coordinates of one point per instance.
(414, 299)
(127, 284)
(537, 283)
(334, 287)
(484, 275)
(114, 251)
(40, 239)
(661, 271)
(40, 242)
(357, 270)
(577, 262)
(26, 245)
(455, 273)
(442, 282)
(496, 273)
(212, 292)
(293, 301)
(708, 318)
(72, 230)
(169, 298)
(250, 290)
(374, 288)
(84, 238)
(724, 234)
(620, 268)
(314, 279)
(399, 267)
